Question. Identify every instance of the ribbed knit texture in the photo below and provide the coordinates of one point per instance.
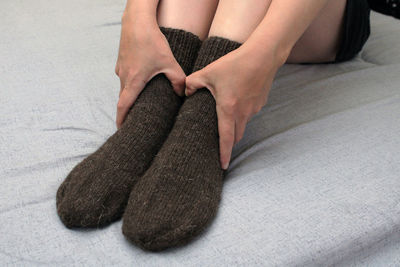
(96, 191)
(180, 192)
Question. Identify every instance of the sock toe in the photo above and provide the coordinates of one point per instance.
(162, 212)
(88, 212)
(70, 216)
(158, 237)
(90, 201)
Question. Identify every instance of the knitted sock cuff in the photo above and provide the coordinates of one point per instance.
(212, 49)
(184, 46)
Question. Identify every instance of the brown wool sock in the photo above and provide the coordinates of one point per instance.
(96, 191)
(179, 194)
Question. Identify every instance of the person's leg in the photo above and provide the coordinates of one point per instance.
(236, 19)
(96, 191)
(179, 194)
(193, 16)
(320, 42)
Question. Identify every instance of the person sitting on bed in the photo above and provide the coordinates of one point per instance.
(192, 74)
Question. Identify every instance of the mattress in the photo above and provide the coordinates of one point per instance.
(315, 181)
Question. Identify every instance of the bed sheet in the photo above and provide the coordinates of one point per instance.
(315, 181)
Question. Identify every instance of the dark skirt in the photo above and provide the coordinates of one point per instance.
(356, 30)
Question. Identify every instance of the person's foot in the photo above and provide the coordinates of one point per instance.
(96, 191)
(179, 194)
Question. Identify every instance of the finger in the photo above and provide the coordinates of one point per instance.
(226, 130)
(197, 80)
(177, 78)
(121, 87)
(116, 70)
(127, 97)
(193, 83)
(240, 127)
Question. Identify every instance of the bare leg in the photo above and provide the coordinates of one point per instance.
(320, 42)
(236, 20)
(194, 16)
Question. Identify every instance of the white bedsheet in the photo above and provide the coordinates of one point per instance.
(316, 180)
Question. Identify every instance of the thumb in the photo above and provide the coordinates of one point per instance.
(177, 78)
(195, 81)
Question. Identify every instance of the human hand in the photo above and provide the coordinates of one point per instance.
(144, 52)
(240, 83)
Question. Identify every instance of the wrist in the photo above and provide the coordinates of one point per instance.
(278, 51)
(141, 11)
(133, 16)
(267, 53)
(270, 46)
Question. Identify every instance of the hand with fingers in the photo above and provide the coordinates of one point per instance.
(240, 83)
(144, 52)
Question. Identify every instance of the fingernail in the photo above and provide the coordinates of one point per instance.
(225, 167)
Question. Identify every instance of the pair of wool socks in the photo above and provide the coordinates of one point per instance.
(173, 194)
(180, 192)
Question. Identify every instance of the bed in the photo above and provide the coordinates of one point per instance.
(315, 181)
